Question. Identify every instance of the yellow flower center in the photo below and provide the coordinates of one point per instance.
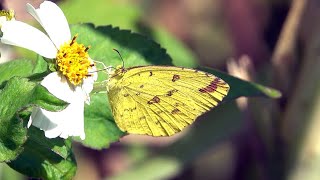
(73, 61)
(9, 14)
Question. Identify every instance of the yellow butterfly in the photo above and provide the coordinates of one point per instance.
(161, 100)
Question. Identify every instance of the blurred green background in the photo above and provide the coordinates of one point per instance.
(272, 42)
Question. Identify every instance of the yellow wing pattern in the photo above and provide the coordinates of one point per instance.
(162, 100)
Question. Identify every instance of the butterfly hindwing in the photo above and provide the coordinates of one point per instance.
(162, 100)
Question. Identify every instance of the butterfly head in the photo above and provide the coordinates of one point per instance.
(115, 74)
(119, 71)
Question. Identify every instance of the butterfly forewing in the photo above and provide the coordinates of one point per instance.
(162, 100)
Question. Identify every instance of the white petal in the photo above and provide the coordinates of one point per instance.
(52, 19)
(2, 20)
(21, 34)
(47, 121)
(6, 53)
(58, 85)
(87, 85)
(68, 122)
(74, 125)
(65, 123)
(93, 70)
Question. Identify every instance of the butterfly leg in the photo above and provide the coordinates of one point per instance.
(108, 69)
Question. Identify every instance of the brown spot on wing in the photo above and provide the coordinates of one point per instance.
(142, 86)
(219, 81)
(211, 87)
(170, 93)
(155, 99)
(175, 111)
(216, 80)
(175, 78)
(150, 73)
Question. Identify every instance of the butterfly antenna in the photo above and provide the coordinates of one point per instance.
(120, 57)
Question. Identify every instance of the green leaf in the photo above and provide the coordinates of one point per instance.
(136, 50)
(14, 96)
(100, 12)
(18, 94)
(45, 158)
(40, 65)
(126, 15)
(180, 54)
(240, 87)
(100, 127)
(44, 99)
(21, 67)
(7, 173)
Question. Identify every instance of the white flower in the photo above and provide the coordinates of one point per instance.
(6, 52)
(75, 75)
